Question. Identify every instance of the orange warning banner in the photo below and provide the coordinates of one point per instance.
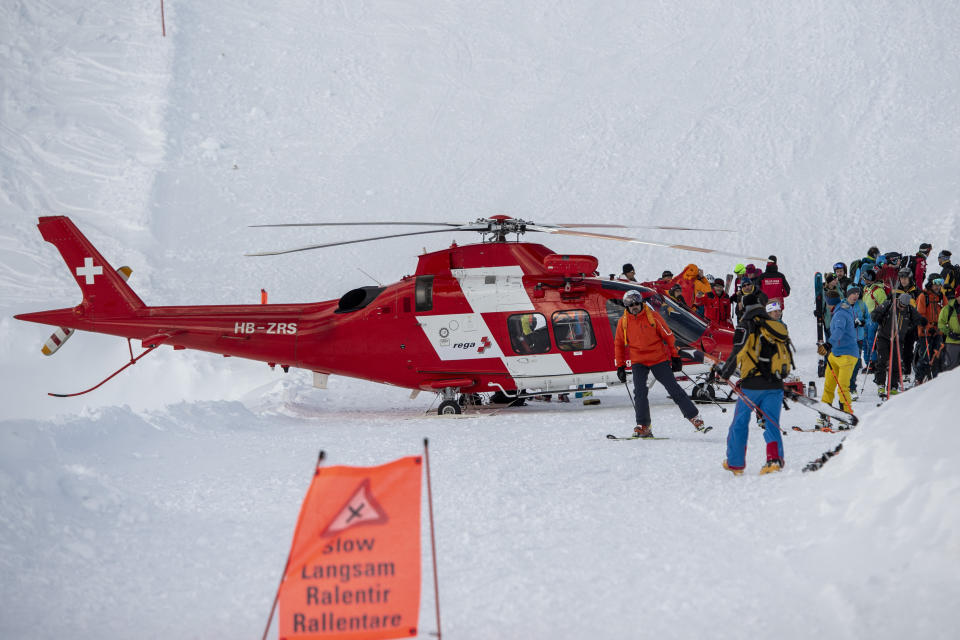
(354, 569)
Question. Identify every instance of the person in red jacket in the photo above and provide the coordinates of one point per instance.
(716, 304)
(644, 339)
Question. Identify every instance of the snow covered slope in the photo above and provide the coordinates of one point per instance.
(163, 503)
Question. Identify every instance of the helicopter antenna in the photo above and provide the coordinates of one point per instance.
(379, 284)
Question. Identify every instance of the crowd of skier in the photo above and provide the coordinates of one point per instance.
(873, 314)
(906, 316)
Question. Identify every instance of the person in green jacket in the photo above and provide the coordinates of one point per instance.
(949, 325)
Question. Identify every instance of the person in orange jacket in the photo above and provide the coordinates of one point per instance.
(644, 339)
(688, 284)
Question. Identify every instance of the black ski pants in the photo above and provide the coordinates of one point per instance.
(887, 358)
(664, 375)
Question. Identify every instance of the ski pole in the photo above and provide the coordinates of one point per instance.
(893, 325)
(630, 395)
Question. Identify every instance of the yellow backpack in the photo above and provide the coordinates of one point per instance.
(749, 360)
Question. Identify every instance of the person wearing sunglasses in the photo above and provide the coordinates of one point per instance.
(644, 339)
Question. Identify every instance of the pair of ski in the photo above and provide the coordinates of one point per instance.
(610, 436)
(827, 411)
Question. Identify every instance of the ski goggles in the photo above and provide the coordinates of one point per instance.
(938, 281)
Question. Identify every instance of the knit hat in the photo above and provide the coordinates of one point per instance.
(830, 277)
(666, 274)
(904, 299)
(854, 289)
(628, 268)
(718, 283)
(740, 269)
(925, 246)
(944, 255)
(773, 306)
(772, 259)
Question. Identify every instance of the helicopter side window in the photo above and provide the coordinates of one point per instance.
(423, 293)
(573, 330)
(615, 311)
(528, 333)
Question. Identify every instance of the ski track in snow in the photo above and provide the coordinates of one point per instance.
(163, 505)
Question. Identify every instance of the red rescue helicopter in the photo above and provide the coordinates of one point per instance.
(498, 316)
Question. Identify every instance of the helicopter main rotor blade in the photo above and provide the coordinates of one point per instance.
(633, 226)
(355, 224)
(336, 244)
(605, 236)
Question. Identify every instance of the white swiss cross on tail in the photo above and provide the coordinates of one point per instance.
(361, 508)
(88, 270)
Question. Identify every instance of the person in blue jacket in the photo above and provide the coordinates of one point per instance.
(861, 317)
(843, 353)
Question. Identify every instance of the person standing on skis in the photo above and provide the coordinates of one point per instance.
(644, 339)
(873, 296)
(894, 320)
(761, 353)
(842, 354)
(929, 304)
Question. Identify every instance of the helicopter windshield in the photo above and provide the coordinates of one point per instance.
(686, 326)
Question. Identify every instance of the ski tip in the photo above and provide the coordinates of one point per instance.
(611, 436)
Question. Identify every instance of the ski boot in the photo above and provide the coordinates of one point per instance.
(642, 431)
(697, 423)
(772, 466)
(823, 424)
(736, 472)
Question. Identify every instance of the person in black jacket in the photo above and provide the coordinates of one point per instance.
(895, 321)
(748, 296)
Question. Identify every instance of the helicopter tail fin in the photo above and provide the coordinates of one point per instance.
(105, 291)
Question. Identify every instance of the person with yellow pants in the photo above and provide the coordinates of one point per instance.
(844, 352)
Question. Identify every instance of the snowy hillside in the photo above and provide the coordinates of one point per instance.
(163, 504)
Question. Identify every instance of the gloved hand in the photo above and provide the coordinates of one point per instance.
(622, 374)
(858, 322)
(823, 348)
(676, 364)
(817, 313)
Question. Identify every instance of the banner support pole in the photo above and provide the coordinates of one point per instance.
(433, 540)
(286, 566)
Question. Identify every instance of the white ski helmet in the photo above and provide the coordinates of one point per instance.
(631, 298)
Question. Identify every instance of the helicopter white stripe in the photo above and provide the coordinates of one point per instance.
(491, 289)
(460, 336)
(537, 366)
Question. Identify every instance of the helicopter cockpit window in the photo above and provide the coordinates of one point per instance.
(423, 293)
(528, 333)
(573, 331)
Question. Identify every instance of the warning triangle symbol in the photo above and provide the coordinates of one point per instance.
(361, 508)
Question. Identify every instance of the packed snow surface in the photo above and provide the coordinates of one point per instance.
(163, 504)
